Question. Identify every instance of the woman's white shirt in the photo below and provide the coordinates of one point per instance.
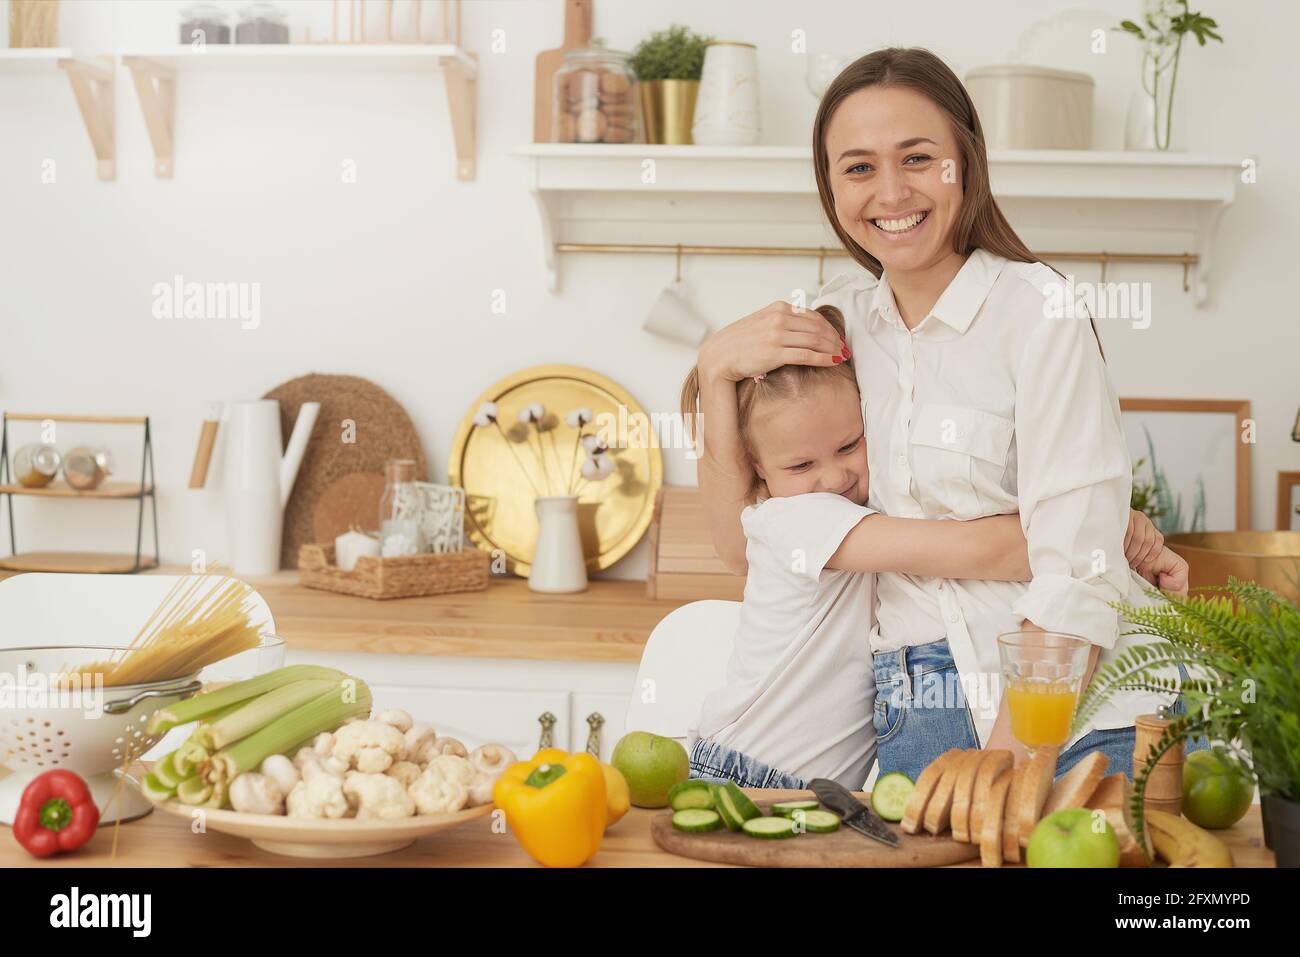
(800, 691)
(993, 404)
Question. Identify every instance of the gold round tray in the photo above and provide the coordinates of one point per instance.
(502, 476)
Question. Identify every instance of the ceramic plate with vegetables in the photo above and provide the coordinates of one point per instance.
(294, 760)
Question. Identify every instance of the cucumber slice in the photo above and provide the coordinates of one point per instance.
(787, 808)
(747, 808)
(771, 828)
(890, 795)
(726, 806)
(691, 793)
(816, 822)
(696, 820)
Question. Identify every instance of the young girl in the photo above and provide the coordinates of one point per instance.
(799, 694)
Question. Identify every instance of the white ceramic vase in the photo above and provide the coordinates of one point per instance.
(726, 111)
(558, 566)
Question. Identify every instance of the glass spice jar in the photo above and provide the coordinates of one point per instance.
(36, 465)
(86, 467)
(261, 23)
(204, 23)
(400, 511)
(594, 98)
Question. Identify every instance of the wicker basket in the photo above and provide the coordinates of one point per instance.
(406, 577)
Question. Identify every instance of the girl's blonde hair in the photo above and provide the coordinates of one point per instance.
(784, 383)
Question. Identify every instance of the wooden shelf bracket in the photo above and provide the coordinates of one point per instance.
(155, 87)
(93, 87)
(462, 101)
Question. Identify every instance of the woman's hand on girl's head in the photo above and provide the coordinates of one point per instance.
(1142, 542)
(778, 334)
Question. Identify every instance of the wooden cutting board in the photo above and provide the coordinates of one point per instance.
(577, 34)
(843, 848)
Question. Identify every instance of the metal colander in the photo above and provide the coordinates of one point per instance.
(71, 732)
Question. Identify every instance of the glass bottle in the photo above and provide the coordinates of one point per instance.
(594, 98)
(400, 511)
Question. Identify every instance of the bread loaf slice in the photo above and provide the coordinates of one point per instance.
(1113, 797)
(994, 764)
(1077, 784)
(990, 833)
(938, 812)
(1010, 820)
(962, 792)
(1038, 784)
(924, 790)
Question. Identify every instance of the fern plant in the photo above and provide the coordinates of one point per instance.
(1241, 650)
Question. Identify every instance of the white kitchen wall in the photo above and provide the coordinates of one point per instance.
(392, 277)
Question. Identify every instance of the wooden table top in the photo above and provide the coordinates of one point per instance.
(163, 840)
(609, 622)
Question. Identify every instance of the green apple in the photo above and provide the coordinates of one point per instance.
(1076, 837)
(652, 765)
(1217, 790)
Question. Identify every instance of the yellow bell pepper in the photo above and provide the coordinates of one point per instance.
(555, 805)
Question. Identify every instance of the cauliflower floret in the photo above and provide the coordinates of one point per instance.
(254, 793)
(404, 771)
(323, 744)
(369, 746)
(454, 768)
(318, 795)
(436, 793)
(416, 738)
(377, 796)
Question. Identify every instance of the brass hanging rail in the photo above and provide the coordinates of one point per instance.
(1186, 260)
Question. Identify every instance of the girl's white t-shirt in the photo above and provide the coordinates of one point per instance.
(800, 687)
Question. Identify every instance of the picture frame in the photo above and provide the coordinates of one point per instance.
(1194, 452)
(1288, 501)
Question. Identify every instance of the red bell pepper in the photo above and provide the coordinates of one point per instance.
(56, 814)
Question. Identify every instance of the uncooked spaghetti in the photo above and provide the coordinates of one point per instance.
(203, 619)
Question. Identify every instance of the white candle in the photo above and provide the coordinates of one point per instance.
(350, 546)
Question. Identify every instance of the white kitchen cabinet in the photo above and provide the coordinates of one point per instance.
(494, 699)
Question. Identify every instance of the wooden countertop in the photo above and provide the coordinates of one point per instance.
(609, 622)
(163, 840)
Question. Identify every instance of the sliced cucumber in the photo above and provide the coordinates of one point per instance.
(726, 806)
(695, 820)
(787, 808)
(890, 795)
(691, 793)
(772, 828)
(747, 808)
(816, 822)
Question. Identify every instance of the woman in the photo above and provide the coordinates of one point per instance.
(977, 401)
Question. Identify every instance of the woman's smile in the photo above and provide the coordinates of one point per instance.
(901, 227)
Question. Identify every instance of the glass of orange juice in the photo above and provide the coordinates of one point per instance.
(1043, 671)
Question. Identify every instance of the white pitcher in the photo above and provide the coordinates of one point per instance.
(258, 479)
(558, 563)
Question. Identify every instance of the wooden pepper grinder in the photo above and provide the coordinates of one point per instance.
(1165, 784)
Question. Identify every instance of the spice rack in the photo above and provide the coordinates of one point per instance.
(83, 562)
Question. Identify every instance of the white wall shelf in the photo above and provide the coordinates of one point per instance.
(155, 72)
(1106, 201)
(92, 82)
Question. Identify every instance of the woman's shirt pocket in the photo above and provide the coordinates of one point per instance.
(960, 459)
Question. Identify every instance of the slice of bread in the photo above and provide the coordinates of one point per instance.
(924, 790)
(962, 791)
(1077, 784)
(1010, 820)
(1109, 792)
(990, 833)
(938, 812)
(994, 763)
(1039, 773)
(1113, 797)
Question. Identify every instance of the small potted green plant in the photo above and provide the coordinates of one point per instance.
(1240, 647)
(668, 65)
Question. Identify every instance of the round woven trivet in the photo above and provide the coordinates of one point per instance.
(351, 501)
(360, 427)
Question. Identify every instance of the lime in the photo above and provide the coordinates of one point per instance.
(1217, 790)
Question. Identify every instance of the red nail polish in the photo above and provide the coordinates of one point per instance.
(848, 353)
(836, 360)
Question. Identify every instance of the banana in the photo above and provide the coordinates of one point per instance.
(1182, 844)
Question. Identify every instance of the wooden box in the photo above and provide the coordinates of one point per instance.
(683, 564)
(407, 577)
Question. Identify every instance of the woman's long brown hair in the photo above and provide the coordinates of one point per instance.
(980, 223)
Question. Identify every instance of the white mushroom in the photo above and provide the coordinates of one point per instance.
(398, 718)
(488, 762)
(416, 738)
(254, 793)
(431, 749)
(404, 771)
(377, 796)
(281, 770)
(435, 793)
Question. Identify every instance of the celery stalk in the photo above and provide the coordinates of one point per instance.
(155, 790)
(187, 758)
(194, 791)
(166, 773)
(323, 713)
(205, 705)
(259, 712)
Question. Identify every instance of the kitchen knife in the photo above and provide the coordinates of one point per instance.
(853, 812)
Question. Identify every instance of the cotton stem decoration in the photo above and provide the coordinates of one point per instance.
(589, 461)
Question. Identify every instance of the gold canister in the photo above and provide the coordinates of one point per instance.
(669, 110)
(1164, 790)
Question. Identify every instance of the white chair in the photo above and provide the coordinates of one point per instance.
(684, 659)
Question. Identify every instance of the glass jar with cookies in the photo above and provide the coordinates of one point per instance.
(595, 99)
